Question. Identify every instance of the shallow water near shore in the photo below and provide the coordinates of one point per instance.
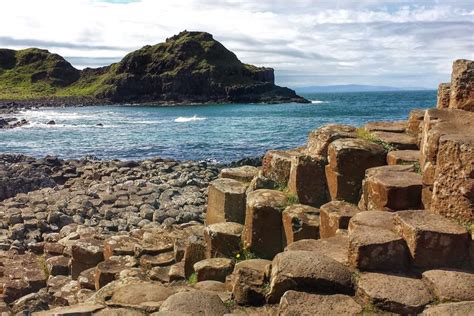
(217, 132)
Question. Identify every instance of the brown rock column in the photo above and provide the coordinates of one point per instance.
(263, 231)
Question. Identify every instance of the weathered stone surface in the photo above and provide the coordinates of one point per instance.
(443, 95)
(263, 232)
(392, 293)
(300, 222)
(403, 157)
(223, 239)
(195, 303)
(446, 152)
(455, 309)
(386, 126)
(226, 201)
(294, 303)
(319, 139)
(243, 174)
(213, 269)
(393, 191)
(307, 270)
(433, 240)
(336, 215)
(462, 85)
(336, 247)
(308, 181)
(400, 141)
(377, 249)
(450, 285)
(119, 312)
(453, 188)
(348, 160)
(277, 164)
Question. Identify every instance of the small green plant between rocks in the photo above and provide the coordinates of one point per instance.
(364, 134)
(192, 279)
(244, 253)
(291, 197)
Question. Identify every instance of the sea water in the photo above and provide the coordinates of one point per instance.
(216, 132)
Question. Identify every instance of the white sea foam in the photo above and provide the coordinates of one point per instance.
(318, 101)
(182, 119)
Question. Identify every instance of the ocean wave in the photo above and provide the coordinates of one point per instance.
(183, 119)
(318, 101)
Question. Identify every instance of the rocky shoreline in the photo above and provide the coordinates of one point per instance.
(371, 220)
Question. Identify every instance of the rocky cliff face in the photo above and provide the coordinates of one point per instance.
(188, 67)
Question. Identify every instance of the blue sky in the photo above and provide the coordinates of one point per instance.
(397, 43)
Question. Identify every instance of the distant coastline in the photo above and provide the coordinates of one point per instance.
(357, 88)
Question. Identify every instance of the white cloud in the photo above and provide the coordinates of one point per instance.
(308, 42)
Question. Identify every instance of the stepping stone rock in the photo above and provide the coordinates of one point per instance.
(226, 201)
(455, 309)
(308, 271)
(223, 239)
(259, 265)
(372, 219)
(433, 240)
(393, 191)
(387, 126)
(120, 246)
(195, 251)
(336, 247)
(86, 254)
(300, 303)
(453, 286)
(369, 173)
(214, 286)
(300, 222)
(213, 269)
(277, 164)
(86, 279)
(58, 265)
(141, 295)
(348, 160)
(248, 286)
(319, 139)
(242, 174)
(176, 272)
(336, 215)
(400, 141)
(263, 232)
(194, 303)
(393, 293)
(109, 270)
(308, 181)
(74, 310)
(403, 157)
(377, 249)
